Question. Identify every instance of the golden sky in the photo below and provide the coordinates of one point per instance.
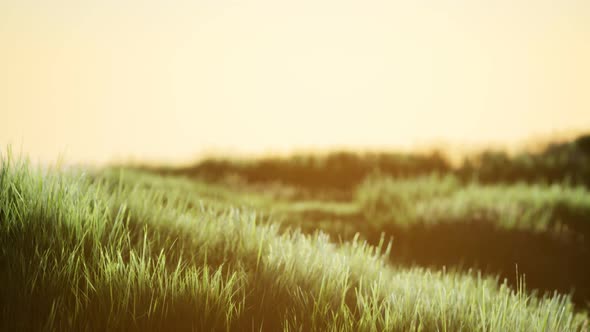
(167, 80)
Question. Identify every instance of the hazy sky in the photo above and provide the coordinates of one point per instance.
(167, 80)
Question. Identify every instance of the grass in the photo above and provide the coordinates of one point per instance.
(535, 207)
(441, 221)
(435, 221)
(542, 228)
(127, 251)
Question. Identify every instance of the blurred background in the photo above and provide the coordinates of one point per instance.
(98, 81)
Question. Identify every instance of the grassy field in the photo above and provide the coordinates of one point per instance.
(428, 250)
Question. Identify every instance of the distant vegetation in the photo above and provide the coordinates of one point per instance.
(343, 171)
(340, 242)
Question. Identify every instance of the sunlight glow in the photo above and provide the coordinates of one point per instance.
(154, 81)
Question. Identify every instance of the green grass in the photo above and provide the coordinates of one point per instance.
(128, 251)
(434, 221)
(439, 221)
(432, 199)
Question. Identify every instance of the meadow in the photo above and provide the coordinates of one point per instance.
(339, 242)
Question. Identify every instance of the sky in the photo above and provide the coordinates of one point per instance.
(167, 81)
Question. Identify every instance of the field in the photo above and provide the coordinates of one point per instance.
(339, 242)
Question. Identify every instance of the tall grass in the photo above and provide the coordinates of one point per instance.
(93, 254)
(431, 199)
